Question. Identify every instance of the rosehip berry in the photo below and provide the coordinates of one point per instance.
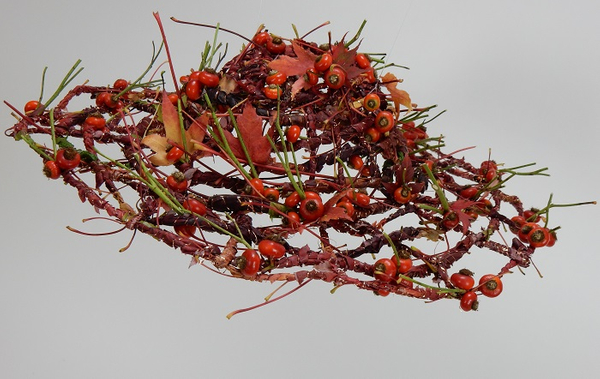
(68, 158)
(468, 302)
(249, 262)
(385, 270)
(384, 121)
(270, 248)
(490, 285)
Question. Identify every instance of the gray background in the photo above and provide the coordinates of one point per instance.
(517, 77)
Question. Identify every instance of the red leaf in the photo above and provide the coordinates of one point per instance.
(250, 127)
(405, 172)
(335, 213)
(458, 206)
(294, 66)
(346, 59)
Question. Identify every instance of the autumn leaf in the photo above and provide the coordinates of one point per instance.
(332, 212)
(335, 213)
(294, 66)
(250, 126)
(160, 144)
(346, 59)
(398, 96)
(458, 207)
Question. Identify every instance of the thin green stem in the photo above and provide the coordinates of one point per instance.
(65, 82)
(137, 82)
(345, 168)
(53, 133)
(286, 168)
(33, 145)
(357, 35)
(402, 277)
(43, 83)
(513, 171)
(436, 187)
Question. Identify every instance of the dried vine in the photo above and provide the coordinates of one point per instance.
(290, 138)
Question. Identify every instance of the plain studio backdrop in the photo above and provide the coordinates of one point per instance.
(517, 77)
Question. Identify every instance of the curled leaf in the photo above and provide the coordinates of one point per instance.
(398, 96)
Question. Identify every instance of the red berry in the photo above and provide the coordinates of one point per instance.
(311, 77)
(462, 281)
(370, 75)
(261, 38)
(270, 248)
(385, 270)
(292, 220)
(532, 215)
(335, 78)
(525, 230)
(271, 194)
(249, 262)
(359, 198)
(105, 99)
(539, 237)
(177, 182)
(193, 90)
(292, 200)
(348, 206)
(402, 194)
(173, 98)
(450, 220)
(31, 106)
(371, 102)
(362, 60)
(120, 84)
(372, 135)
(276, 45)
(384, 121)
(490, 285)
(255, 187)
(276, 77)
(488, 170)
(403, 264)
(323, 62)
(311, 208)
(272, 91)
(96, 122)
(194, 206)
(51, 170)
(209, 78)
(293, 133)
(356, 162)
(68, 158)
(469, 192)
(468, 301)
(174, 154)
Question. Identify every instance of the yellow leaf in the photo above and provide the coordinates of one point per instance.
(159, 145)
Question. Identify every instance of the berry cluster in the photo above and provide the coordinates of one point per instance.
(290, 139)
